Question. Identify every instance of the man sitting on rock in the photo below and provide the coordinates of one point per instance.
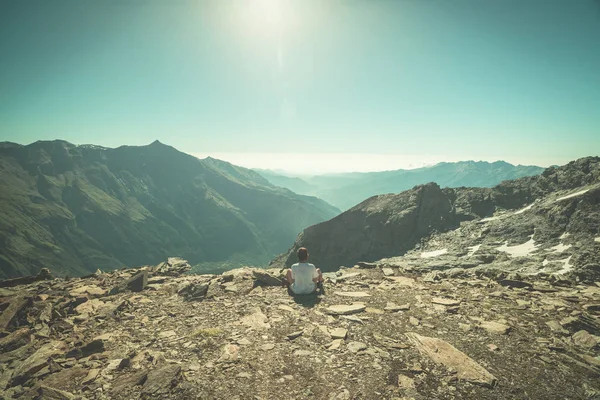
(302, 277)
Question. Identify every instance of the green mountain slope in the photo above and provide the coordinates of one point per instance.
(349, 189)
(79, 208)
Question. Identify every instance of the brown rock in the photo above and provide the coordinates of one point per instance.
(50, 393)
(16, 339)
(126, 382)
(36, 361)
(444, 353)
(95, 346)
(584, 339)
(495, 327)
(161, 381)
(15, 306)
(138, 282)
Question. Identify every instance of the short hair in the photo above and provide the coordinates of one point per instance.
(302, 254)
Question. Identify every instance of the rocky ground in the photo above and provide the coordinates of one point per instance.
(381, 331)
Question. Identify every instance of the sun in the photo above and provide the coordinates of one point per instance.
(269, 10)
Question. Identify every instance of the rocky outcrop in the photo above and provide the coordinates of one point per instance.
(380, 332)
(382, 226)
(563, 199)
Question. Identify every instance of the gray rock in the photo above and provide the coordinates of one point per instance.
(138, 282)
(355, 347)
(95, 346)
(266, 279)
(161, 381)
(584, 339)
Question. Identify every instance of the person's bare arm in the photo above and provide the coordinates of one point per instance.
(289, 276)
(319, 276)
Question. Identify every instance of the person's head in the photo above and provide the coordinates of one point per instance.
(302, 254)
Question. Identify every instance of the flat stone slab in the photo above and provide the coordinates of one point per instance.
(353, 294)
(387, 271)
(442, 352)
(344, 309)
(495, 327)
(338, 333)
(401, 280)
(393, 307)
(445, 302)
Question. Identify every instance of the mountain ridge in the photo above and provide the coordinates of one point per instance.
(345, 190)
(88, 207)
(390, 225)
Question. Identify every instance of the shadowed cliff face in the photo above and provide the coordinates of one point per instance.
(390, 225)
(381, 226)
(79, 208)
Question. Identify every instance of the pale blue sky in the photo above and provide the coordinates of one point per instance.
(427, 79)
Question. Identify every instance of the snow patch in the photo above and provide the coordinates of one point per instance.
(521, 211)
(571, 195)
(435, 253)
(545, 262)
(520, 250)
(559, 248)
(473, 249)
(566, 266)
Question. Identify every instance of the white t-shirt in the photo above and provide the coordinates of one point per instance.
(303, 274)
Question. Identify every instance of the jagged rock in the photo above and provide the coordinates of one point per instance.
(14, 340)
(138, 282)
(444, 353)
(126, 382)
(161, 381)
(194, 291)
(15, 306)
(266, 279)
(515, 283)
(584, 339)
(581, 322)
(556, 327)
(95, 346)
(44, 274)
(37, 361)
(387, 271)
(49, 393)
(343, 309)
(174, 266)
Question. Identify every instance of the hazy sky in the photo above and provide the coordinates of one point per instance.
(299, 84)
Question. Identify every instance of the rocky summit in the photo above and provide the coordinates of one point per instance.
(382, 330)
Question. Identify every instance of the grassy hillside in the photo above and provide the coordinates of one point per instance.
(78, 208)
